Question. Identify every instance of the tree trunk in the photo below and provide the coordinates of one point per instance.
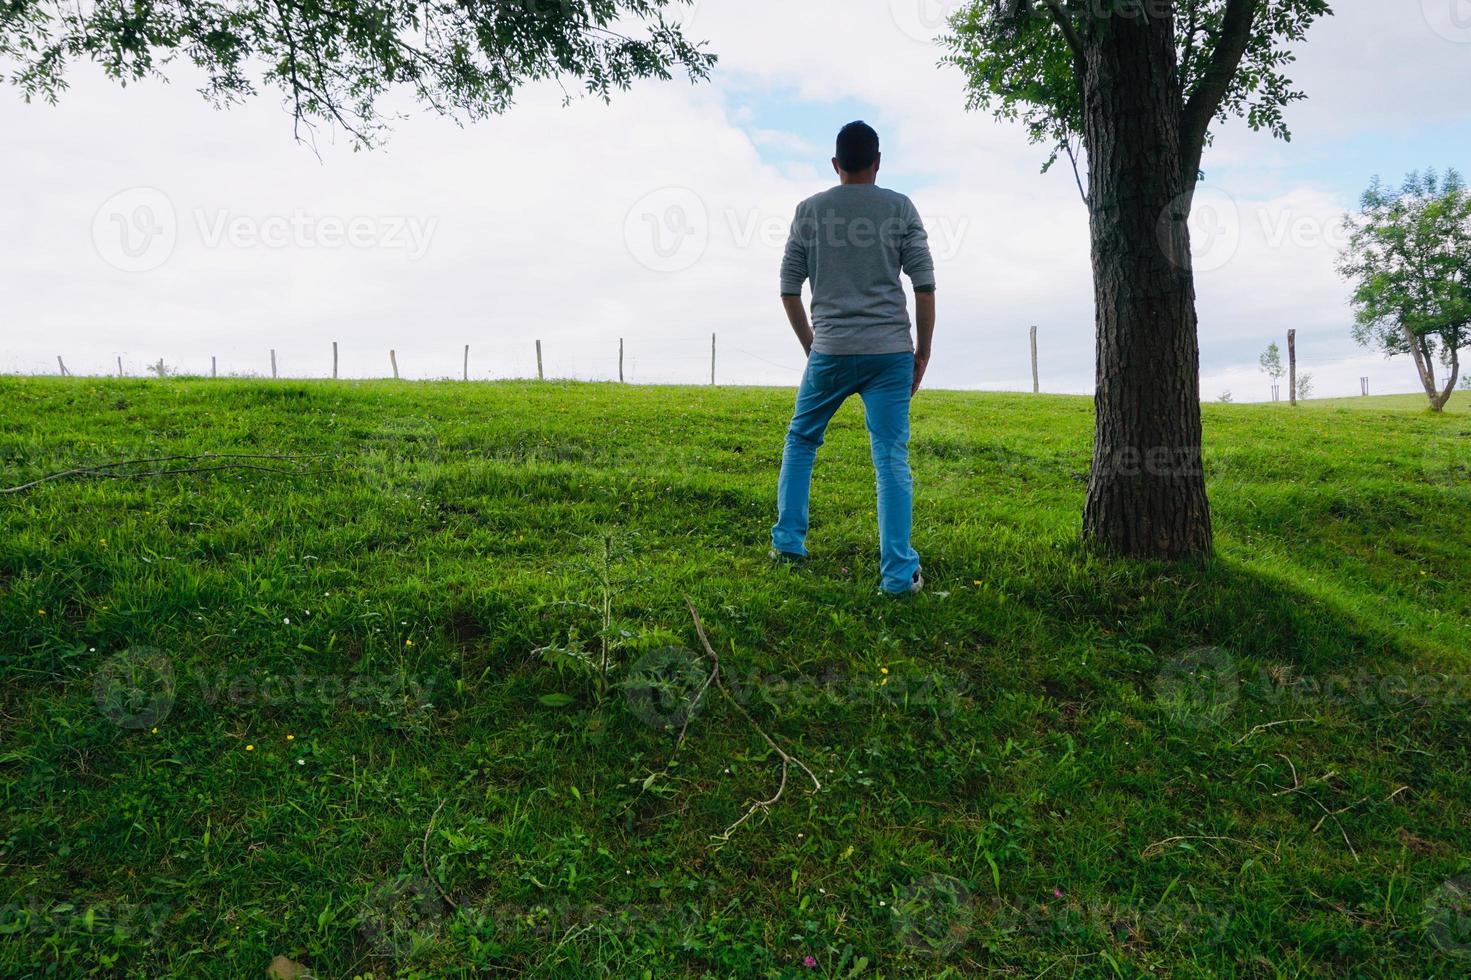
(1292, 367)
(1424, 359)
(1146, 493)
(1438, 402)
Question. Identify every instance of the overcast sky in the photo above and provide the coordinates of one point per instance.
(144, 224)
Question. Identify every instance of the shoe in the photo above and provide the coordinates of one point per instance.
(786, 557)
(916, 586)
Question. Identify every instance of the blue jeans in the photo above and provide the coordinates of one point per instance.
(883, 381)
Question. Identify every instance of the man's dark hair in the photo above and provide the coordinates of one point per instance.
(858, 147)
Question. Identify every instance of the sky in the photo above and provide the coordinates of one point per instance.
(144, 224)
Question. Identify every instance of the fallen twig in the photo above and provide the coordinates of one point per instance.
(1297, 789)
(787, 759)
(1271, 724)
(1158, 846)
(108, 471)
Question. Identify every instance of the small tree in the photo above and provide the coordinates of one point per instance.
(1272, 366)
(1304, 386)
(1409, 257)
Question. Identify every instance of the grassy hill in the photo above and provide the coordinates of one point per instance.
(1460, 403)
(351, 709)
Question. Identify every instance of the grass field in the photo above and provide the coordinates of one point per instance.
(352, 709)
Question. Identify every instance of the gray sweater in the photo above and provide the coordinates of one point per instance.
(852, 241)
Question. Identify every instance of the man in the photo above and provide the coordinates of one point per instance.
(852, 241)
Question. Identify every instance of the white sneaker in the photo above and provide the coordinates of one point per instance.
(916, 586)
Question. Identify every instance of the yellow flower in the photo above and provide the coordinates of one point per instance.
(40, 612)
(250, 748)
(408, 643)
(290, 738)
(883, 670)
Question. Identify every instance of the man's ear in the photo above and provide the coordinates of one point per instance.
(837, 169)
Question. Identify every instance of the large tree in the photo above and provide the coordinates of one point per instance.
(335, 59)
(1136, 85)
(1409, 257)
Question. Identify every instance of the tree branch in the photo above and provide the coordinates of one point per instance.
(1215, 81)
(1070, 32)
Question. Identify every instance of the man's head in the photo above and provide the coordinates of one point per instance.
(858, 153)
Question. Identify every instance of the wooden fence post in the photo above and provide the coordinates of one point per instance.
(1292, 366)
(120, 366)
(273, 362)
(393, 359)
(467, 363)
(539, 375)
(1036, 383)
(213, 367)
(334, 360)
(620, 360)
(712, 358)
(1364, 386)
(62, 364)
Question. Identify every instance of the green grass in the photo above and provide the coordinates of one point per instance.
(1460, 403)
(1256, 765)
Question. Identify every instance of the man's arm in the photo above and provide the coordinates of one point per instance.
(793, 274)
(924, 329)
(919, 265)
(797, 317)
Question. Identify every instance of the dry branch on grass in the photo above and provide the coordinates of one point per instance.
(713, 679)
(787, 759)
(117, 470)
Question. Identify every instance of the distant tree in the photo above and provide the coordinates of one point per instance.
(1226, 397)
(1137, 85)
(1304, 386)
(1272, 366)
(335, 59)
(1409, 258)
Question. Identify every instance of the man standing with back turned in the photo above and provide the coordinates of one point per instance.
(852, 241)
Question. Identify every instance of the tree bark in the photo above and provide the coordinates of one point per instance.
(1292, 367)
(1425, 367)
(1146, 492)
(1438, 403)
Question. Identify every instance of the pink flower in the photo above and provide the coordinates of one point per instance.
(1057, 893)
(809, 961)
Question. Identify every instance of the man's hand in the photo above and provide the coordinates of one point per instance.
(921, 361)
(797, 317)
(924, 308)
